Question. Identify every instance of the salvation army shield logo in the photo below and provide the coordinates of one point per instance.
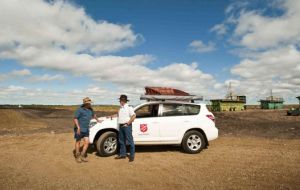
(143, 128)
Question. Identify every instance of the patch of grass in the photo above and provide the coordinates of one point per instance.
(100, 108)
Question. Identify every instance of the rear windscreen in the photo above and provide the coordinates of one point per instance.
(192, 109)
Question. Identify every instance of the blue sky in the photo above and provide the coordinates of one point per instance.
(57, 52)
(167, 28)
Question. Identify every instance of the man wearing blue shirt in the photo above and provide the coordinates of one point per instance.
(82, 119)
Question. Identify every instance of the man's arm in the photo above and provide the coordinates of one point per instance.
(132, 118)
(96, 118)
(77, 125)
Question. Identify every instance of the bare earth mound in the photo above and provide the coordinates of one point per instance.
(12, 121)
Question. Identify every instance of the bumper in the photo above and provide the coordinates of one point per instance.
(212, 134)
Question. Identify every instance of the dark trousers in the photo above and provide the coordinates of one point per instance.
(125, 133)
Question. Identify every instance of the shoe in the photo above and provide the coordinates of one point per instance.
(83, 158)
(77, 158)
(120, 157)
(131, 159)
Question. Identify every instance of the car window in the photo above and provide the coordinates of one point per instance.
(147, 111)
(192, 109)
(173, 110)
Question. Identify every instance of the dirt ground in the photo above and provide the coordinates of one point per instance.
(256, 150)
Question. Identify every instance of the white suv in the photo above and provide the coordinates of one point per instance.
(160, 123)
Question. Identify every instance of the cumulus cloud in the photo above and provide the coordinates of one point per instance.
(268, 48)
(23, 72)
(26, 75)
(46, 78)
(220, 29)
(278, 69)
(58, 35)
(20, 95)
(256, 30)
(201, 47)
(59, 24)
(15, 73)
(282, 64)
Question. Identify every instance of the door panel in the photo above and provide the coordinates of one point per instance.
(145, 128)
(172, 119)
(176, 118)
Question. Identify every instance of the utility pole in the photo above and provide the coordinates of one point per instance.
(229, 91)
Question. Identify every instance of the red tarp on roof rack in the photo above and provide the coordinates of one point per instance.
(165, 91)
(163, 94)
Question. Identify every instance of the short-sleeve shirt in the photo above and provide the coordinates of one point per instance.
(125, 113)
(84, 117)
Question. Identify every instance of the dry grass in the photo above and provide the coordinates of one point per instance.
(99, 108)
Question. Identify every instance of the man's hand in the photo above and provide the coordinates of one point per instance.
(77, 125)
(132, 118)
(99, 121)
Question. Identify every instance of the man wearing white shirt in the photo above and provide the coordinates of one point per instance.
(126, 116)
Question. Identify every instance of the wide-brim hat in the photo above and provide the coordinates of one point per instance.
(87, 100)
(123, 97)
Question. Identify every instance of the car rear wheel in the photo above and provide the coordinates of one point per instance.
(107, 144)
(193, 142)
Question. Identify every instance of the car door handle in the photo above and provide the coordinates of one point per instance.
(155, 122)
(186, 121)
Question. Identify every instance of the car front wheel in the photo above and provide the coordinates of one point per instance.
(193, 142)
(107, 144)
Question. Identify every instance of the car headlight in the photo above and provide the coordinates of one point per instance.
(92, 124)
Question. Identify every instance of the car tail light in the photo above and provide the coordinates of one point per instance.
(211, 117)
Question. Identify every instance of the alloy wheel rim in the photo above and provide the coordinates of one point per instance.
(110, 145)
(194, 142)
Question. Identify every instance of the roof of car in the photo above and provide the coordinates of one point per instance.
(172, 102)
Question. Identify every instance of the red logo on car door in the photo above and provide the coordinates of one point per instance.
(143, 128)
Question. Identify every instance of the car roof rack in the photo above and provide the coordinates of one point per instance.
(190, 98)
(166, 93)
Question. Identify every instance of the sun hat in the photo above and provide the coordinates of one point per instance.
(123, 97)
(87, 100)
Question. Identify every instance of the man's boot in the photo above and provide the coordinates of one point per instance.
(83, 157)
(77, 157)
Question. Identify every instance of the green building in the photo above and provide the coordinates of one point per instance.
(229, 104)
(272, 102)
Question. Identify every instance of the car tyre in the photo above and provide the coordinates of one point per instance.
(107, 144)
(193, 142)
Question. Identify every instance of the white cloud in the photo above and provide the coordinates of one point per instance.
(23, 72)
(26, 75)
(255, 30)
(282, 62)
(268, 48)
(61, 25)
(220, 29)
(21, 95)
(12, 88)
(201, 47)
(46, 78)
(279, 66)
(61, 36)
(15, 73)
